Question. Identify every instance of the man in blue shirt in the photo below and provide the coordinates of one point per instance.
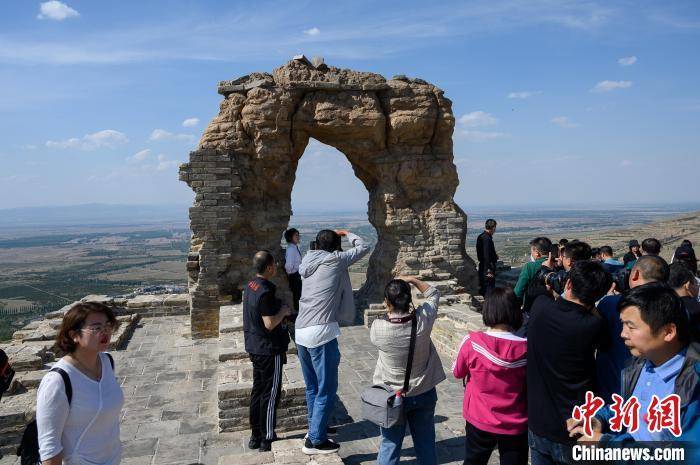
(610, 265)
(656, 330)
(610, 360)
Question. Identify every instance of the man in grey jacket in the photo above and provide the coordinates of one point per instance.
(326, 300)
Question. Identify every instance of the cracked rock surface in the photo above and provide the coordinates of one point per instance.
(397, 135)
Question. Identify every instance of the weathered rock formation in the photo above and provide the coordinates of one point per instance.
(397, 134)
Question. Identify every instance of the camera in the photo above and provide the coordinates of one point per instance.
(621, 279)
(556, 280)
(312, 245)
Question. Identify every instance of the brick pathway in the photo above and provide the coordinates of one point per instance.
(169, 415)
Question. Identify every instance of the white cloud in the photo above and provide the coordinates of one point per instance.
(56, 11)
(627, 61)
(190, 122)
(607, 86)
(165, 164)
(626, 163)
(482, 136)
(564, 122)
(139, 156)
(108, 138)
(162, 134)
(476, 119)
(523, 94)
(314, 31)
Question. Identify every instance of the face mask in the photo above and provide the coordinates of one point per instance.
(532, 259)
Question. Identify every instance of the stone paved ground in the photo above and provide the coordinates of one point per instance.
(169, 416)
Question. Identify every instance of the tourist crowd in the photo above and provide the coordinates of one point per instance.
(580, 338)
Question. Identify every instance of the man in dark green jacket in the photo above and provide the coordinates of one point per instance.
(539, 252)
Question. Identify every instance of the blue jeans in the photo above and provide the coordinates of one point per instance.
(319, 366)
(420, 417)
(544, 451)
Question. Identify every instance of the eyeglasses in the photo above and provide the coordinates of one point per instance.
(98, 328)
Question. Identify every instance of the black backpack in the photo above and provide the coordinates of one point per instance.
(28, 449)
(6, 373)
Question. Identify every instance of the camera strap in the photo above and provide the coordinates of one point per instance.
(411, 347)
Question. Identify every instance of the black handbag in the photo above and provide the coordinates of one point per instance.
(380, 403)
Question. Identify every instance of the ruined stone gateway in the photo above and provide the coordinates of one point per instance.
(397, 135)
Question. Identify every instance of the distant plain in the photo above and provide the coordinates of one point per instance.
(48, 262)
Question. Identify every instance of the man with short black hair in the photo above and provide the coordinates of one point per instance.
(540, 248)
(266, 342)
(610, 265)
(655, 328)
(683, 281)
(326, 300)
(575, 251)
(486, 254)
(651, 246)
(562, 338)
(611, 360)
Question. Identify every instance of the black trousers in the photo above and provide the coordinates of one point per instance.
(480, 444)
(485, 283)
(295, 286)
(265, 397)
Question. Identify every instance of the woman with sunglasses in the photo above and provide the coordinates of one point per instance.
(86, 429)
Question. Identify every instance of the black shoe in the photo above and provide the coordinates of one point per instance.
(265, 446)
(331, 430)
(253, 443)
(326, 447)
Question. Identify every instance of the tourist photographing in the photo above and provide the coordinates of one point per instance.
(611, 359)
(326, 300)
(266, 341)
(77, 417)
(493, 366)
(486, 254)
(540, 249)
(655, 328)
(292, 260)
(563, 335)
(392, 336)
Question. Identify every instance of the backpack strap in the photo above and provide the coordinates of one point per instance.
(66, 382)
(111, 359)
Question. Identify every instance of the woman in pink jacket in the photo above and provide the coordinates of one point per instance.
(493, 366)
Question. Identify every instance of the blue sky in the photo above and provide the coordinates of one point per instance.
(557, 102)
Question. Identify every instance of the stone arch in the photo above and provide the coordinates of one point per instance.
(397, 135)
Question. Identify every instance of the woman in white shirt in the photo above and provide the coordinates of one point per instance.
(292, 260)
(86, 431)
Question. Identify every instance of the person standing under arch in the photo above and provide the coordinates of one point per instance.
(292, 260)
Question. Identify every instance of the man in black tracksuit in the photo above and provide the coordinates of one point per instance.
(266, 341)
(486, 254)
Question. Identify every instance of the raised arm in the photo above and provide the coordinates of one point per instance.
(359, 248)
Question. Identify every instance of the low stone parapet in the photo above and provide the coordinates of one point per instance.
(235, 379)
